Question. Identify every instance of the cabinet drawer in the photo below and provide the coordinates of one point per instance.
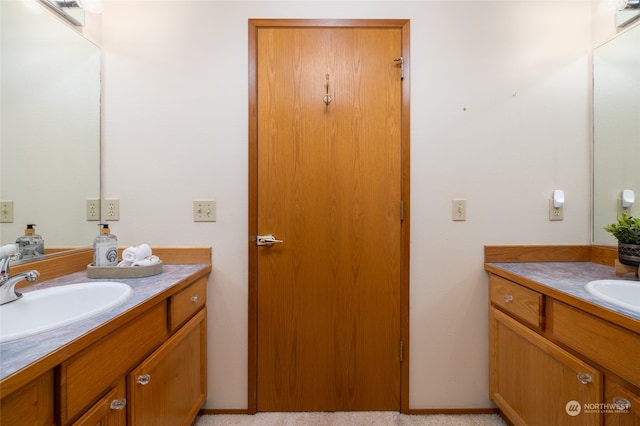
(611, 346)
(184, 304)
(525, 304)
(85, 377)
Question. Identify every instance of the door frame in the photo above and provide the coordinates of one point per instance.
(254, 26)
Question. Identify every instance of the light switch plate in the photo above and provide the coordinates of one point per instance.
(458, 209)
(204, 211)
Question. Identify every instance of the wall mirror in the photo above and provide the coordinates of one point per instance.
(616, 129)
(50, 126)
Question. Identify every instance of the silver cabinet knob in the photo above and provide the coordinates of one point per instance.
(118, 404)
(508, 298)
(622, 404)
(584, 378)
(143, 379)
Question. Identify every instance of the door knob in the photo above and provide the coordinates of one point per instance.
(266, 240)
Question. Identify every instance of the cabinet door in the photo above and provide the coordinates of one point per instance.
(110, 410)
(170, 386)
(534, 382)
(622, 405)
(30, 405)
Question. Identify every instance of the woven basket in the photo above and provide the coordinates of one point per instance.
(629, 254)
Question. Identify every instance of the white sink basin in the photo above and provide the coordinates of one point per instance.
(622, 293)
(44, 310)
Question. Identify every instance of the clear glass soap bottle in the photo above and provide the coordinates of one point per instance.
(105, 248)
(30, 245)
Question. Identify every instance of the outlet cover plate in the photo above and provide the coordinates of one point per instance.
(555, 213)
(93, 210)
(112, 209)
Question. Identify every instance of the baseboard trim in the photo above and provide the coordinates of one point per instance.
(418, 411)
(452, 411)
(209, 411)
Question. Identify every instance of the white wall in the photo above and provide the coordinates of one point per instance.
(175, 130)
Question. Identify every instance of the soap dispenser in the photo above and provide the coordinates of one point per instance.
(105, 248)
(30, 245)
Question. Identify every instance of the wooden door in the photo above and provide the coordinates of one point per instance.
(329, 185)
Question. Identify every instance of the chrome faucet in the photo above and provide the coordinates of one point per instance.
(8, 291)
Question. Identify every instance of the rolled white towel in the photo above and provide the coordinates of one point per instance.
(133, 254)
(8, 250)
(124, 263)
(148, 261)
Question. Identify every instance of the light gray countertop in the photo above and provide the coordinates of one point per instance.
(570, 278)
(19, 354)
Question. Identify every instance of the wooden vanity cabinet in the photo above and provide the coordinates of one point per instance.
(150, 371)
(170, 386)
(32, 404)
(87, 376)
(533, 380)
(546, 355)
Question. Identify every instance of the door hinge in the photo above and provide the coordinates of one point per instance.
(400, 61)
(401, 210)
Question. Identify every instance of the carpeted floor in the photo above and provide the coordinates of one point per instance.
(368, 418)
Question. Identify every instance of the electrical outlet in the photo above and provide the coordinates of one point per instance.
(112, 210)
(204, 211)
(458, 210)
(555, 213)
(6, 211)
(625, 210)
(93, 210)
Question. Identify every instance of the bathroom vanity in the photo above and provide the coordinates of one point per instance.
(558, 355)
(143, 362)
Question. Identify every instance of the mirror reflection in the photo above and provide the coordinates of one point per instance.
(50, 126)
(616, 129)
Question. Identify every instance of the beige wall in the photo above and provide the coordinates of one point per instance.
(175, 130)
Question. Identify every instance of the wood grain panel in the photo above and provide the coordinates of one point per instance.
(101, 413)
(616, 393)
(537, 253)
(56, 265)
(33, 404)
(525, 304)
(604, 255)
(62, 263)
(184, 304)
(328, 297)
(178, 379)
(87, 375)
(532, 379)
(601, 341)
